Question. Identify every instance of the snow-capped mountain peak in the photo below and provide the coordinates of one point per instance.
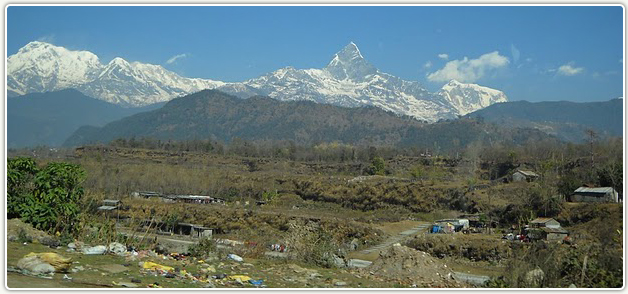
(349, 63)
(470, 97)
(41, 67)
(348, 80)
(119, 61)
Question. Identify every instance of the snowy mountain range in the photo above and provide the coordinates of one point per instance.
(348, 80)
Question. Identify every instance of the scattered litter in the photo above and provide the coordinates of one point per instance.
(116, 248)
(219, 276)
(35, 265)
(241, 278)
(136, 281)
(66, 277)
(77, 269)
(60, 263)
(235, 257)
(96, 250)
(155, 266)
(256, 282)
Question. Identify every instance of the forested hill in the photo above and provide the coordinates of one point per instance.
(211, 114)
(49, 118)
(566, 120)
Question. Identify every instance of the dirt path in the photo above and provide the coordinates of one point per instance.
(395, 239)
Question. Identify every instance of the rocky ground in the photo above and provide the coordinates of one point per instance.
(398, 266)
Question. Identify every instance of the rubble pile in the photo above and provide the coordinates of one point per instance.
(412, 267)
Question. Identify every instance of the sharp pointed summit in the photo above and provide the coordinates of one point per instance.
(349, 63)
(348, 80)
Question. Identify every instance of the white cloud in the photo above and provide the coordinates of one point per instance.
(173, 59)
(469, 70)
(444, 56)
(47, 38)
(428, 64)
(515, 53)
(569, 70)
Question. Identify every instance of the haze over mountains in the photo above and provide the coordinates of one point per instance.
(566, 120)
(348, 80)
(39, 119)
(345, 86)
(211, 114)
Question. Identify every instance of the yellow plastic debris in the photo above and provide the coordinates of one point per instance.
(156, 266)
(242, 278)
(60, 263)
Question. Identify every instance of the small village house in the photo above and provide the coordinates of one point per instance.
(555, 234)
(544, 222)
(601, 194)
(524, 176)
(544, 228)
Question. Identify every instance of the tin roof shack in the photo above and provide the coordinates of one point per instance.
(555, 234)
(544, 222)
(199, 199)
(109, 205)
(524, 176)
(146, 194)
(602, 194)
(195, 231)
(544, 228)
(548, 234)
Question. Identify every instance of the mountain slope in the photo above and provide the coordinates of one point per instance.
(566, 120)
(49, 118)
(211, 114)
(43, 67)
(347, 80)
(467, 98)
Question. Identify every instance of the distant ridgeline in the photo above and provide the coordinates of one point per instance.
(568, 121)
(211, 114)
(49, 118)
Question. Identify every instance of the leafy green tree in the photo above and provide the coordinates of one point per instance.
(377, 166)
(53, 203)
(611, 175)
(568, 183)
(20, 172)
(418, 173)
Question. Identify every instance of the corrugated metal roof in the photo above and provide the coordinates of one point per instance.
(528, 173)
(555, 230)
(542, 220)
(603, 190)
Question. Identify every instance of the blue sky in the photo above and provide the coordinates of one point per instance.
(530, 53)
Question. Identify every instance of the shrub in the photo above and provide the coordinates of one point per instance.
(202, 248)
(47, 199)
